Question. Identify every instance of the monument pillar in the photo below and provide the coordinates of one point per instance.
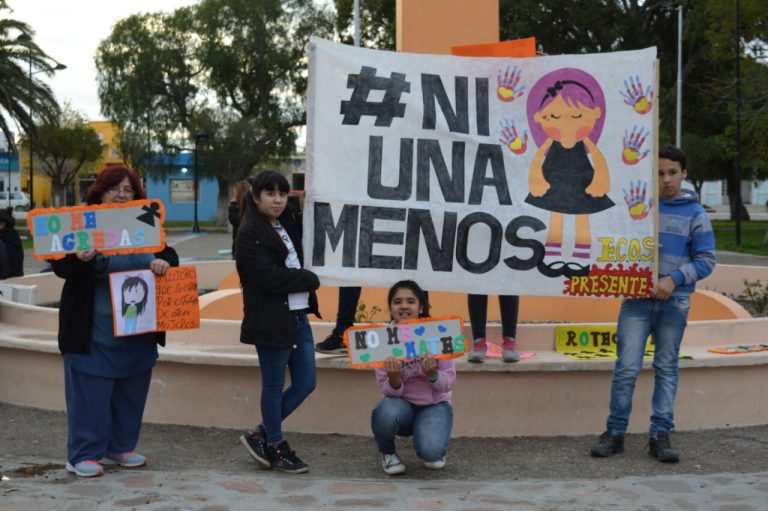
(434, 26)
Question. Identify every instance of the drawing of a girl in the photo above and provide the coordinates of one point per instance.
(134, 299)
(568, 175)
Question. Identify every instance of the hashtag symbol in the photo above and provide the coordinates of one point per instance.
(362, 84)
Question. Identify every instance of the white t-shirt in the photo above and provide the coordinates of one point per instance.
(296, 301)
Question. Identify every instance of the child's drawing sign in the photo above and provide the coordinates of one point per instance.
(144, 302)
(370, 345)
(126, 228)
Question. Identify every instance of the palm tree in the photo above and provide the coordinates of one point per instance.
(21, 95)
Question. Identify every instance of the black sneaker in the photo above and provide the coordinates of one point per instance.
(607, 445)
(284, 459)
(660, 448)
(256, 445)
(333, 344)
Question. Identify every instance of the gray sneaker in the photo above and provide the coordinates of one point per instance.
(391, 464)
(509, 350)
(479, 347)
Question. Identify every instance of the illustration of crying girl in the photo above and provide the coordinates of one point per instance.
(568, 174)
(134, 299)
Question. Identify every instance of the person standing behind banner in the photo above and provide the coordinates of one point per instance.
(277, 295)
(417, 393)
(509, 306)
(106, 379)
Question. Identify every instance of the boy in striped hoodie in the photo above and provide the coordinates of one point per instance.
(686, 254)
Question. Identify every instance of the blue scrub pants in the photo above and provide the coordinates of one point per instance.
(103, 414)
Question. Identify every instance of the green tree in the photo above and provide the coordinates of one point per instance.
(63, 148)
(159, 73)
(22, 99)
(377, 23)
(229, 153)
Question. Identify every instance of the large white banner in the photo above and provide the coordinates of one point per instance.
(484, 175)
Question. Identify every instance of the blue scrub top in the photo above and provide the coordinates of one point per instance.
(110, 356)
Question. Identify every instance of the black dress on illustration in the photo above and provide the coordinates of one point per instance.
(569, 173)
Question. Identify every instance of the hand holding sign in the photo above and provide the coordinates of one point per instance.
(387, 345)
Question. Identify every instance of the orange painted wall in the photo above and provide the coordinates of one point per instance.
(451, 23)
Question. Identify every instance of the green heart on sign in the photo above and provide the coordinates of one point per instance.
(366, 357)
(397, 352)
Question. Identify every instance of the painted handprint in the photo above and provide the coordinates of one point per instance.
(508, 88)
(634, 95)
(635, 200)
(632, 150)
(509, 137)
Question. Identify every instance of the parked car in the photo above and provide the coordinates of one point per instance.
(19, 200)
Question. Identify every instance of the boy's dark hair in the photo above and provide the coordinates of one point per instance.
(421, 295)
(673, 153)
(129, 283)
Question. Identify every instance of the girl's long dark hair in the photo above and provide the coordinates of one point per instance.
(421, 295)
(130, 283)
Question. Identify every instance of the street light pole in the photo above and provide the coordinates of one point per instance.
(9, 174)
(199, 137)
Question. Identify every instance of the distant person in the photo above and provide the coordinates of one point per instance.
(106, 378)
(236, 209)
(417, 393)
(12, 256)
(278, 293)
(509, 306)
(686, 255)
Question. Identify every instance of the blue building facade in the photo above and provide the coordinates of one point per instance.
(176, 189)
(9, 171)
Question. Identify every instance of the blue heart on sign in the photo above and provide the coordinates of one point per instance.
(442, 328)
(420, 330)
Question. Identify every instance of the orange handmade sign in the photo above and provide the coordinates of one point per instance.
(130, 227)
(145, 302)
(370, 345)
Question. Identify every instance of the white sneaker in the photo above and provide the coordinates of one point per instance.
(391, 464)
(435, 465)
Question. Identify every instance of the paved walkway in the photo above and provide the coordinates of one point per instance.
(206, 469)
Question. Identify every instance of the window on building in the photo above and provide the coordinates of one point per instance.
(183, 190)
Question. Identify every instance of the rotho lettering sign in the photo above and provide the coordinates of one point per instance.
(370, 345)
(130, 227)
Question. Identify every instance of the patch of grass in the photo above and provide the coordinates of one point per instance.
(752, 235)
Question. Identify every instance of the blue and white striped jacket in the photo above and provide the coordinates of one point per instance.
(687, 251)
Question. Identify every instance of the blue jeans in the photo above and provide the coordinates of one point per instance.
(277, 404)
(429, 425)
(666, 321)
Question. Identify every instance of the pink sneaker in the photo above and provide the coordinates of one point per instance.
(509, 350)
(124, 459)
(479, 347)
